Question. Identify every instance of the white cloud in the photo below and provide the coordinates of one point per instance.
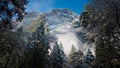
(68, 39)
(40, 5)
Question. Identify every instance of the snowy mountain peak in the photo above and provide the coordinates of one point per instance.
(63, 11)
(60, 16)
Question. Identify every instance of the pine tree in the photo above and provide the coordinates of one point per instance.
(72, 57)
(57, 56)
(89, 57)
(75, 57)
(80, 58)
(39, 57)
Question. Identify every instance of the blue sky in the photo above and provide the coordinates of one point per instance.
(47, 5)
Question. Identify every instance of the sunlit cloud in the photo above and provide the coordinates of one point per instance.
(68, 39)
(40, 5)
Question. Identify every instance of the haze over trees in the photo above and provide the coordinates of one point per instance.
(75, 57)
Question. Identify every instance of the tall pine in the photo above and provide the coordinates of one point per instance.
(57, 56)
(39, 46)
(89, 57)
(75, 57)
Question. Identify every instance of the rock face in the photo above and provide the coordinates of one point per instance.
(30, 17)
(62, 23)
(57, 17)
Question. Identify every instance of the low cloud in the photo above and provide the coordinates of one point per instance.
(68, 39)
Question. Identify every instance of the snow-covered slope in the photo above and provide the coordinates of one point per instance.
(57, 17)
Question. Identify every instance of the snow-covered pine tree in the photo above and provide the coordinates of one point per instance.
(40, 42)
(89, 57)
(80, 58)
(57, 56)
(72, 57)
(75, 57)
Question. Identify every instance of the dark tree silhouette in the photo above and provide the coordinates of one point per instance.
(101, 20)
(11, 9)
